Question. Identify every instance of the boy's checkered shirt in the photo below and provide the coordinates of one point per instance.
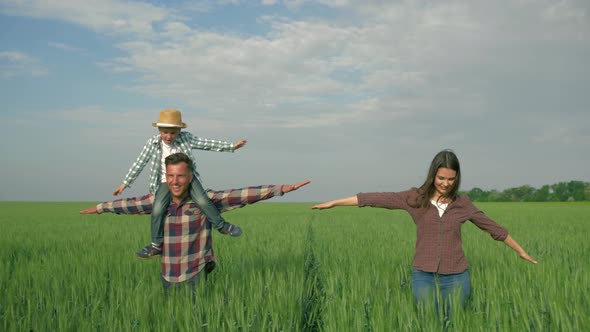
(152, 152)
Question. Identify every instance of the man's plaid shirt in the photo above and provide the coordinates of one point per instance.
(187, 245)
(152, 152)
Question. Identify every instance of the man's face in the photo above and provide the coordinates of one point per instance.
(169, 134)
(178, 178)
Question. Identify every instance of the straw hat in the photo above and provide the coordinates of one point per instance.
(169, 119)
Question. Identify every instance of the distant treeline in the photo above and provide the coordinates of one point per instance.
(560, 192)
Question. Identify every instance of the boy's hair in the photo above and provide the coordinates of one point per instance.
(177, 158)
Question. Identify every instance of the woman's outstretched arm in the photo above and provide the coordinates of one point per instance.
(348, 201)
(516, 247)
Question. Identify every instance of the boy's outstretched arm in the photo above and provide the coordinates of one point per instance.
(142, 160)
(119, 189)
(200, 143)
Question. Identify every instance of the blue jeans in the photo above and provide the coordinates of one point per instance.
(190, 283)
(162, 201)
(424, 287)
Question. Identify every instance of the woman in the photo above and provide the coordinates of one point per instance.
(438, 212)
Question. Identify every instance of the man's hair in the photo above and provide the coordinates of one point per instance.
(177, 158)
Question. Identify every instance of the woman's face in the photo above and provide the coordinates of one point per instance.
(444, 181)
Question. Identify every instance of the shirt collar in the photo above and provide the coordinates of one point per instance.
(183, 202)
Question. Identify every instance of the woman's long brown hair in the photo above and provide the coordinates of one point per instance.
(445, 159)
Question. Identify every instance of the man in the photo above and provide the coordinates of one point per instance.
(187, 251)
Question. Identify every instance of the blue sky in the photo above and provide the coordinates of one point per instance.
(352, 95)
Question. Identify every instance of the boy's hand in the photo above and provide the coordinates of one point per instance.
(119, 190)
(239, 144)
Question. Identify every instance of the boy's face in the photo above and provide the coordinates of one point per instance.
(169, 134)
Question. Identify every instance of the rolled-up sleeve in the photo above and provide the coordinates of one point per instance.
(486, 224)
(132, 205)
(236, 198)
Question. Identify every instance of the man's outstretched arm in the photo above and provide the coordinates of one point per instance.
(132, 205)
(237, 198)
(223, 200)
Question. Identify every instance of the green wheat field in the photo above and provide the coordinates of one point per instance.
(293, 269)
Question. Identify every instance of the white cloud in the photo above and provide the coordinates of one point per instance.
(17, 57)
(417, 53)
(14, 63)
(420, 53)
(175, 30)
(110, 16)
(64, 47)
(565, 11)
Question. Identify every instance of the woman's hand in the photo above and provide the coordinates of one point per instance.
(348, 201)
(526, 256)
(325, 205)
(516, 247)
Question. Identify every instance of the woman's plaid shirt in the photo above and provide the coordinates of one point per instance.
(187, 245)
(152, 152)
(438, 239)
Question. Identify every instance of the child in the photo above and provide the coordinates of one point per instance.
(172, 140)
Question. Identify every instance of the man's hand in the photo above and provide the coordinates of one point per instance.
(119, 190)
(91, 210)
(239, 144)
(290, 187)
